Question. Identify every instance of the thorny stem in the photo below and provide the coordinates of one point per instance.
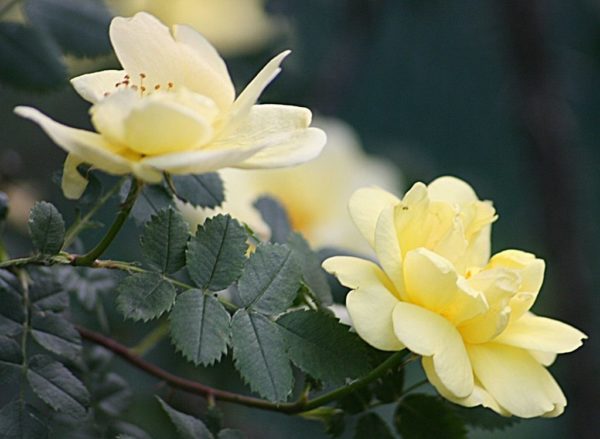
(80, 224)
(96, 252)
(302, 405)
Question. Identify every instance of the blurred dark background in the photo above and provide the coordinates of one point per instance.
(504, 94)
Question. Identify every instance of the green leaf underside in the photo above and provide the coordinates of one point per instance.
(46, 227)
(322, 347)
(164, 241)
(270, 280)
(421, 416)
(151, 200)
(46, 293)
(313, 275)
(204, 190)
(187, 426)
(11, 305)
(19, 420)
(57, 386)
(56, 334)
(259, 354)
(370, 426)
(200, 327)
(274, 214)
(80, 27)
(10, 359)
(145, 296)
(28, 59)
(216, 254)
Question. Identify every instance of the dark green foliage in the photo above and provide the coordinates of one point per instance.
(322, 347)
(11, 359)
(187, 426)
(28, 59)
(313, 275)
(164, 241)
(482, 418)
(270, 279)
(19, 420)
(57, 386)
(259, 354)
(200, 327)
(203, 190)
(79, 27)
(228, 433)
(216, 254)
(370, 426)
(47, 228)
(87, 283)
(57, 334)
(389, 387)
(145, 296)
(4, 206)
(274, 214)
(421, 416)
(46, 292)
(357, 401)
(11, 304)
(151, 200)
(111, 394)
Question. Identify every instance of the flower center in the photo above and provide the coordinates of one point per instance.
(141, 86)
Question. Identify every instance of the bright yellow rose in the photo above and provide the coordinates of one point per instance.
(173, 109)
(314, 194)
(233, 26)
(440, 295)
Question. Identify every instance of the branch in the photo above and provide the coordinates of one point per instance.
(205, 391)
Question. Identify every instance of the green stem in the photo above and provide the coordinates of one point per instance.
(393, 361)
(92, 255)
(80, 224)
(18, 262)
(151, 339)
(26, 323)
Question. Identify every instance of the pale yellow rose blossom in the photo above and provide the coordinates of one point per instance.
(173, 109)
(314, 194)
(438, 293)
(233, 26)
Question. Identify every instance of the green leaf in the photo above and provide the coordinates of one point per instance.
(322, 347)
(204, 190)
(19, 420)
(28, 59)
(200, 327)
(151, 200)
(112, 395)
(56, 334)
(421, 416)
(11, 304)
(370, 426)
(216, 254)
(164, 240)
(357, 401)
(259, 354)
(46, 293)
(11, 359)
(80, 27)
(57, 386)
(313, 275)
(229, 433)
(390, 386)
(145, 296)
(483, 419)
(270, 280)
(87, 284)
(46, 227)
(274, 214)
(187, 426)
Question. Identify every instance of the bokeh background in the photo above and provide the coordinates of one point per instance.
(504, 94)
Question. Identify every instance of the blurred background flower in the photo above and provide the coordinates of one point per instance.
(315, 194)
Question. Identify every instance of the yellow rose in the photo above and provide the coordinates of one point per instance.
(314, 194)
(173, 109)
(440, 295)
(233, 26)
